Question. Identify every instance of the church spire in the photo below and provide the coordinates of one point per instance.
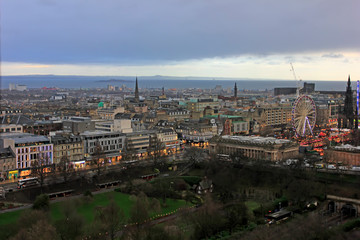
(137, 99)
(348, 105)
(235, 90)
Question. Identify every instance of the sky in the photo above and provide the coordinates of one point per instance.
(202, 38)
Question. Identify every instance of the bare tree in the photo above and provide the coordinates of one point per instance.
(42, 167)
(129, 153)
(194, 155)
(156, 149)
(71, 226)
(65, 168)
(111, 219)
(99, 159)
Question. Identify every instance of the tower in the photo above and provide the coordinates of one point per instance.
(235, 91)
(348, 106)
(346, 116)
(137, 99)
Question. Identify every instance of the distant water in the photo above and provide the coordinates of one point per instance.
(34, 81)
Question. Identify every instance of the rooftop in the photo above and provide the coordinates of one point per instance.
(24, 137)
(348, 147)
(257, 139)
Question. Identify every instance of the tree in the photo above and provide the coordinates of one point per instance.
(71, 226)
(140, 210)
(65, 168)
(41, 230)
(99, 159)
(42, 167)
(207, 220)
(194, 155)
(139, 213)
(236, 215)
(155, 150)
(42, 202)
(129, 152)
(34, 224)
(111, 219)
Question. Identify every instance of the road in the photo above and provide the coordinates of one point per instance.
(90, 171)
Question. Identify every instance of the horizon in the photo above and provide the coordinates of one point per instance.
(169, 77)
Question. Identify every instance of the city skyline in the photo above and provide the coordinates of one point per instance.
(202, 39)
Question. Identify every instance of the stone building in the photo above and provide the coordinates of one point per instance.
(254, 147)
(344, 155)
(7, 162)
(68, 145)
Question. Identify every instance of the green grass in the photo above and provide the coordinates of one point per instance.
(251, 205)
(87, 210)
(10, 217)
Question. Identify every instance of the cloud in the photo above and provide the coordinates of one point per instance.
(34, 66)
(158, 31)
(333, 55)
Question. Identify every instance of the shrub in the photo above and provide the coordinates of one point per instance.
(42, 202)
(87, 193)
(351, 225)
(191, 180)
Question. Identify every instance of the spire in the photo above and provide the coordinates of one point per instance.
(349, 82)
(348, 105)
(136, 91)
(235, 90)
(163, 91)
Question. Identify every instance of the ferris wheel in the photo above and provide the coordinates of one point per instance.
(303, 115)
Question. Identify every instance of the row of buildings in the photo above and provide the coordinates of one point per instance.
(20, 150)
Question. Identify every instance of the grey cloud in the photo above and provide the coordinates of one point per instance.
(158, 31)
(333, 55)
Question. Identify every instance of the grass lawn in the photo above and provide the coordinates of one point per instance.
(251, 205)
(10, 217)
(87, 209)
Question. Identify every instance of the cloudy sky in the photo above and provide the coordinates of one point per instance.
(205, 38)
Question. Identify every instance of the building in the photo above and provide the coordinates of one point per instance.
(273, 115)
(122, 125)
(170, 139)
(78, 125)
(199, 104)
(346, 115)
(254, 147)
(67, 145)
(196, 132)
(344, 155)
(7, 162)
(308, 88)
(235, 91)
(139, 142)
(27, 148)
(109, 113)
(284, 91)
(17, 87)
(6, 128)
(42, 127)
(106, 126)
(137, 97)
(112, 144)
